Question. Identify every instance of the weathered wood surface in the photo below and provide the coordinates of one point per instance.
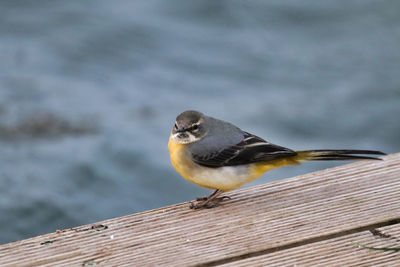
(308, 220)
(339, 251)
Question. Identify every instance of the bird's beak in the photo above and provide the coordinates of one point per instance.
(181, 130)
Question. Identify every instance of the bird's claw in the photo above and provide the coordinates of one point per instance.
(204, 203)
(206, 198)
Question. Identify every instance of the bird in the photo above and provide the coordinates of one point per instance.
(218, 155)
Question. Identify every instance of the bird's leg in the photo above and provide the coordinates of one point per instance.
(207, 197)
(208, 202)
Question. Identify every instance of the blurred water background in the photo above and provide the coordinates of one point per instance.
(89, 91)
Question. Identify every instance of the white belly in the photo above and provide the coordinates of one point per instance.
(223, 178)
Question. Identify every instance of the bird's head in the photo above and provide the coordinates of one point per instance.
(190, 126)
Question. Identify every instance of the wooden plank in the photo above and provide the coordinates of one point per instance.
(272, 217)
(340, 251)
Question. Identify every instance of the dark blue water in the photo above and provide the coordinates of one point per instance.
(89, 91)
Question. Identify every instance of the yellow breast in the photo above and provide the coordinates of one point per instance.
(180, 160)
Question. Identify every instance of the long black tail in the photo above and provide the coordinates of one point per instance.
(339, 154)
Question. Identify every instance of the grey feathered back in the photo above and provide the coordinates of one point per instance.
(221, 135)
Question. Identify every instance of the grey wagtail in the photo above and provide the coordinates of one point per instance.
(216, 154)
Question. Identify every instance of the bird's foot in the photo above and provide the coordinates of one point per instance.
(207, 203)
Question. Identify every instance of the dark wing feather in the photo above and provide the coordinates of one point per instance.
(251, 149)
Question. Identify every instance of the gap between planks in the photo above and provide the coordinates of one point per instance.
(299, 243)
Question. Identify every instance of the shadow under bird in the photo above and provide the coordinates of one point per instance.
(217, 155)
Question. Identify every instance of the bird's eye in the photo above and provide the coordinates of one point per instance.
(176, 126)
(195, 127)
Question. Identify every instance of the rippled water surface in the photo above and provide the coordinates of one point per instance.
(89, 91)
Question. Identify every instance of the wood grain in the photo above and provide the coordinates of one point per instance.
(339, 251)
(314, 214)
